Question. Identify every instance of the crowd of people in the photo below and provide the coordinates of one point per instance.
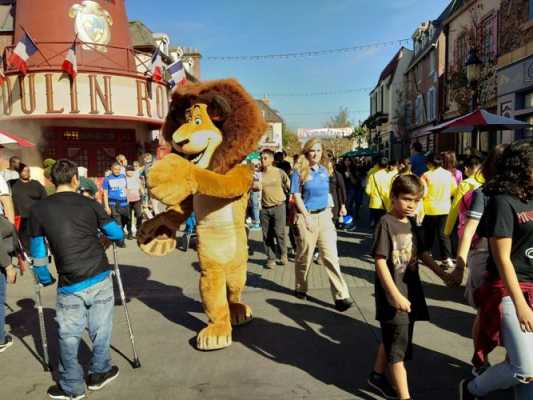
(449, 215)
(475, 213)
(59, 216)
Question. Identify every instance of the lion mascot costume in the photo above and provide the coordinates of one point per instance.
(212, 126)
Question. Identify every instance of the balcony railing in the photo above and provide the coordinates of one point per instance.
(111, 59)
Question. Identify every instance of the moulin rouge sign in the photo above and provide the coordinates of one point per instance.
(51, 94)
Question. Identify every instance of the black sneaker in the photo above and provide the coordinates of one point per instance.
(7, 343)
(464, 393)
(121, 244)
(55, 392)
(382, 385)
(343, 304)
(98, 381)
(130, 236)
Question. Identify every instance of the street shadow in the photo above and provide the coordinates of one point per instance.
(24, 325)
(338, 350)
(169, 301)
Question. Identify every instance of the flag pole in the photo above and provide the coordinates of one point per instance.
(37, 47)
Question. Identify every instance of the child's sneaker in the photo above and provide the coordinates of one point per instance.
(7, 343)
(98, 381)
(464, 393)
(479, 370)
(55, 392)
(382, 385)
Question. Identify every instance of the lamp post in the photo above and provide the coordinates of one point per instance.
(473, 75)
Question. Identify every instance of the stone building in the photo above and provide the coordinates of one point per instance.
(515, 65)
(386, 103)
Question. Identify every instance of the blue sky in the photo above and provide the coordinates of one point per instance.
(254, 27)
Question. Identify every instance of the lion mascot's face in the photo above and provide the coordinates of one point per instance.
(214, 124)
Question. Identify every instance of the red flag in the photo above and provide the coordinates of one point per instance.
(70, 65)
(157, 66)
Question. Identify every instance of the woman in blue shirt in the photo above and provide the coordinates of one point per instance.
(314, 222)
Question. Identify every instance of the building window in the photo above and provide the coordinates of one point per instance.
(528, 100)
(489, 38)
(432, 64)
(419, 109)
(461, 52)
(431, 108)
(408, 114)
(270, 134)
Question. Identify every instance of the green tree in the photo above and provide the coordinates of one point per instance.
(340, 120)
(359, 135)
(290, 141)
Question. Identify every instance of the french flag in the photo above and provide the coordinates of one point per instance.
(177, 74)
(157, 66)
(70, 65)
(23, 51)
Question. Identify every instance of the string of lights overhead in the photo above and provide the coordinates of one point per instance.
(325, 112)
(313, 94)
(305, 54)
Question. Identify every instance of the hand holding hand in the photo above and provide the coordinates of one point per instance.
(525, 317)
(457, 275)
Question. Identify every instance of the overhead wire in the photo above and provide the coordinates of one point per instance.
(304, 54)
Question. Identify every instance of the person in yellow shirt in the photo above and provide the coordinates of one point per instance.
(475, 179)
(440, 187)
(378, 190)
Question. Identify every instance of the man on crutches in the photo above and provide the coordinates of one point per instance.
(69, 223)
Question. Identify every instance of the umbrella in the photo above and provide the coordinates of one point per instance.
(479, 119)
(10, 139)
(360, 153)
(253, 156)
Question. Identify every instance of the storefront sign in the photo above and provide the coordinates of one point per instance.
(326, 133)
(110, 96)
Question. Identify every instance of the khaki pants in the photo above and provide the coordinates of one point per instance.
(324, 234)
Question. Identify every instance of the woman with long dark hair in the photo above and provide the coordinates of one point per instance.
(507, 298)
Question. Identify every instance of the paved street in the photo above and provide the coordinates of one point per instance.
(293, 350)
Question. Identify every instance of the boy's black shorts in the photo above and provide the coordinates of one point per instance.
(397, 340)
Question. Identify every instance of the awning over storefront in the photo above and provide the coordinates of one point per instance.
(11, 140)
(360, 153)
(479, 119)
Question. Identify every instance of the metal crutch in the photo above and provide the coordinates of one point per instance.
(42, 328)
(136, 363)
(38, 300)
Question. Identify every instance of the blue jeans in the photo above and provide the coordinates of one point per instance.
(2, 307)
(518, 365)
(255, 207)
(91, 308)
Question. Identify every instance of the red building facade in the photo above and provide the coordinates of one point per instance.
(111, 107)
